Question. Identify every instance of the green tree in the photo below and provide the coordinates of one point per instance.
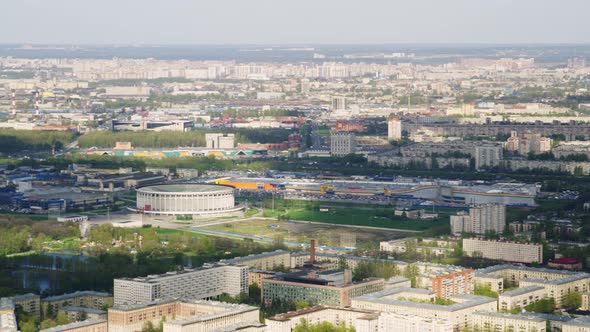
(572, 301)
(304, 326)
(61, 318)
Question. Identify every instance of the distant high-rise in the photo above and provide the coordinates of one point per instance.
(487, 156)
(342, 143)
(479, 220)
(576, 62)
(339, 103)
(394, 128)
(220, 141)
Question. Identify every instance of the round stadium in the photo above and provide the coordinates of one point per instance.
(179, 199)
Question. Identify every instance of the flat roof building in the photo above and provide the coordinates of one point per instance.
(202, 283)
(503, 250)
(333, 287)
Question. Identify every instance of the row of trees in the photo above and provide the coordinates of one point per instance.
(18, 140)
(19, 234)
(174, 139)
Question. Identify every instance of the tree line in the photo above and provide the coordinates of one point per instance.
(175, 139)
(12, 140)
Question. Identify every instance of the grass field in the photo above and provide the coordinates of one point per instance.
(374, 217)
(303, 232)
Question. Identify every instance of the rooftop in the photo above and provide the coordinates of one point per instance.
(75, 294)
(75, 325)
(184, 188)
(464, 301)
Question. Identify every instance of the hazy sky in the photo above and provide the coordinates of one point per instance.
(294, 21)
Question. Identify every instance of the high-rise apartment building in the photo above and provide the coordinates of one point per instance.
(202, 283)
(220, 141)
(394, 128)
(342, 143)
(339, 103)
(481, 218)
(487, 156)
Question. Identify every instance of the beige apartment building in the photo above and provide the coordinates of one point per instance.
(520, 297)
(89, 325)
(503, 250)
(479, 220)
(88, 299)
(180, 315)
(458, 314)
(499, 321)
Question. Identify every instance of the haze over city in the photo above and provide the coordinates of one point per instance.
(303, 166)
(294, 22)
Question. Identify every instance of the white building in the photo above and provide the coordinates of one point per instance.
(520, 297)
(342, 143)
(458, 313)
(487, 156)
(361, 320)
(220, 141)
(499, 321)
(394, 128)
(479, 220)
(503, 250)
(201, 283)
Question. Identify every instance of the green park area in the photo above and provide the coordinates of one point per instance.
(303, 232)
(350, 214)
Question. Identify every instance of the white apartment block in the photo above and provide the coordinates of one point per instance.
(361, 320)
(498, 321)
(503, 250)
(581, 324)
(186, 316)
(202, 283)
(481, 218)
(263, 261)
(342, 143)
(220, 141)
(487, 156)
(458, 313)
(560, 288)
(520, 297)
(556, 283)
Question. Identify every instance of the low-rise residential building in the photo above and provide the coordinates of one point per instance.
(333, 287)
(520, 297)
(29, 303)
(75, 313)
(264, 261)
(88, 299)
(185, 315)
(458, 313)
(499, 321)
(360, 320)
(89, 325)
(7, 315)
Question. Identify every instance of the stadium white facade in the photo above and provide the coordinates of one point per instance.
(181, 199)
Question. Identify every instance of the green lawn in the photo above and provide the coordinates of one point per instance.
(361, 217)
